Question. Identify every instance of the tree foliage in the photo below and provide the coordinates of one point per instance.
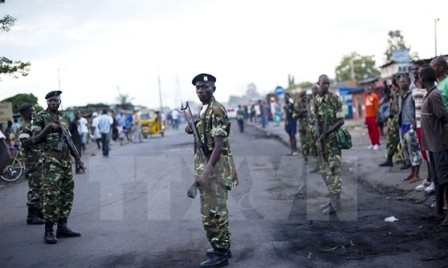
(356, 67)
(306, 84)
(18, 99)
(395, 42)
(8, 66)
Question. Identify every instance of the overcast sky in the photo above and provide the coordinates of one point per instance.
(100, 45)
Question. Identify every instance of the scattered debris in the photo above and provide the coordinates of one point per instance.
(390, 219)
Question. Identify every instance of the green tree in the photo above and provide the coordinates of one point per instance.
(18, 99)
(306, 84)
(124, 101)
(356, 67)
(395, 42)
(7, 66)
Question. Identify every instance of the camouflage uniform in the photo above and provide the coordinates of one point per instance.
(310, 139)
(33, 163)
(328, 110)
(302, 116)
(393, 132)
(215, 218)
(57, 169)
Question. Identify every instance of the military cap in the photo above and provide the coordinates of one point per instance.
(428, 73)
(24, 106)
(203, 78)
(53, 94)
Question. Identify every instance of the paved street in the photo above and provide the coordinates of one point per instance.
(132, 211)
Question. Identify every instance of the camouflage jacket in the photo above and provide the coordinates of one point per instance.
(52, 139)
(328, 109)
(213, 123)
(33, 153)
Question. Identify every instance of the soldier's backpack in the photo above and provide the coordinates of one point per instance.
(344, 138)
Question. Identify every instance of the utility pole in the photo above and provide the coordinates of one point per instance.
(435, 36)
(59, 85)
(160, 93)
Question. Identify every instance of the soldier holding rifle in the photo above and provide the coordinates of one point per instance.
(329, 118)
(58, 181)
(216, 174)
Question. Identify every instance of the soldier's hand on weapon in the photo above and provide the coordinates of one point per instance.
(53, 126)
(188, 129)
(204, 181)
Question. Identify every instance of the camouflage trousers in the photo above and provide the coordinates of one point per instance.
(58, 188)
(330, 169)
(35, 185)
(215, 216)
(310, 141)
(411, 148)
(304, 146)
(393, 136)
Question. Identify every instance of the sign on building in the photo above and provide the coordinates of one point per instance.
(5, 112)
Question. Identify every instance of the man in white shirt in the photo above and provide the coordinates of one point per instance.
(105, 125)
(83, 130)
(95, 131)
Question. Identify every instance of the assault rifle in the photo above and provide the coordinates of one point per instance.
(319, 142)
(198, 145)
(67, 138)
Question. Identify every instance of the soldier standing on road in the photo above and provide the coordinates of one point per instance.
(393, 134)
(311, 131)
(330, 117)
(58, 175)
(219, 175)
(302, 117)
(33, 163)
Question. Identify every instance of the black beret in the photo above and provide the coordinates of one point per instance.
(53, 94)
(428, 72)
(24, 106)
(203, 78)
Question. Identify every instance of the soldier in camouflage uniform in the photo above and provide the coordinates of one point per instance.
(302, 118)
(216, 177)
(33, 162)
(330, 117)
(393, 134)
(311, 132)
(57, 169)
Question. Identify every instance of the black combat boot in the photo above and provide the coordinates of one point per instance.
(211, 250)
(49, 237)
(387, 163)
(218, 258)
(33, 217)
(64, 231)
(334, 205)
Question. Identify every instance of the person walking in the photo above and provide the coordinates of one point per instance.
(95, 129)
(218, 175)
(58, 181)
(83, 130)
(104, 125)
(330, 117)
(435, 136)
(33, 162)
(372, 106)
(240, 117)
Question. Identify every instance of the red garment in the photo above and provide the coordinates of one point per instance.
(419, 137)
(372, 105)
(373, 129)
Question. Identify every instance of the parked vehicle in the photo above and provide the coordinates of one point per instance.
(151, 122)
(231, 112)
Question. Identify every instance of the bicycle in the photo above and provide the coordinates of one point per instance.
(15, 169)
